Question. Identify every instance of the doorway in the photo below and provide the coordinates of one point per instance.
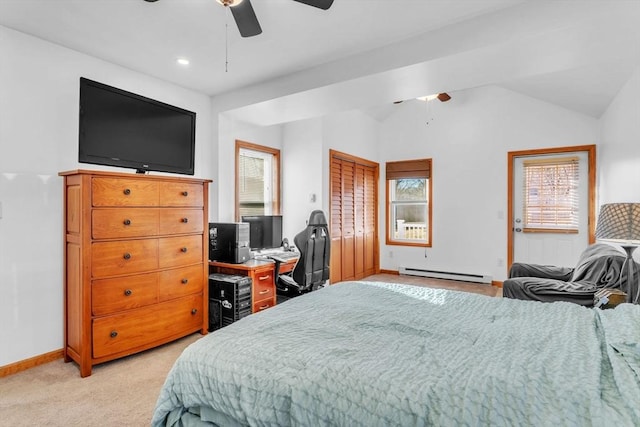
(561, 242)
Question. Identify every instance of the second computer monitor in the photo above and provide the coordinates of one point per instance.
(265, 231)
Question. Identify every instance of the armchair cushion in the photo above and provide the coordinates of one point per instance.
(598, 267)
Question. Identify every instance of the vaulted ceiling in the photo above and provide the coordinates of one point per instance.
(573, 54)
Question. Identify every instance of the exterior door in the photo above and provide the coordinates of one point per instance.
(537, 233)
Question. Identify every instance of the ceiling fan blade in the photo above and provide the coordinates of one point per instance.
(320, 4)
(444, 97)
(246, 19)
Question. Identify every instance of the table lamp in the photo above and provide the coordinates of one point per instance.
(620, 223)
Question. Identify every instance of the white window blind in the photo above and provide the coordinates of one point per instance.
(255, 182)
(551, 193)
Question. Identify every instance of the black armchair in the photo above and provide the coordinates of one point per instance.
(312, 269)
(599, 267)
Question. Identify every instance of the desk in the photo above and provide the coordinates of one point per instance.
(263, 280)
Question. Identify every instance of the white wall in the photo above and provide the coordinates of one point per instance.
(302, 160)
(39, 83)
(230, 130)
(619, 153)
(468, 139)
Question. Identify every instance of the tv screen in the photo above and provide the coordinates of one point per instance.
(120, 128)
(265, 231)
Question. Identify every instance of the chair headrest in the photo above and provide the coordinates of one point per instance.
(317, 218)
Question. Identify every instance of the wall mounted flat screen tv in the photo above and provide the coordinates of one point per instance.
(265, 231)
(120, 128)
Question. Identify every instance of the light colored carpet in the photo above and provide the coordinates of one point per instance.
(118, 393)
(122, 392)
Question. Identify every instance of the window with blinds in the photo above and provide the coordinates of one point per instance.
(409, 202)
(257, 180)
(551, 194)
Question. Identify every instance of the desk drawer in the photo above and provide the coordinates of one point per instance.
(264, 288)
(263, 305)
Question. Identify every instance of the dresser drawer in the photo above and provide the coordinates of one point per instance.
(123, 257)
(124, 192)
(124, 222)
(145, 326)
(123, 293)
(181, 221)
(178, 251)
(180, 282)
(181, 194)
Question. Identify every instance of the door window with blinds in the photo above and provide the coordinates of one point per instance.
(409, 202)
(551, 197)
(257, 180)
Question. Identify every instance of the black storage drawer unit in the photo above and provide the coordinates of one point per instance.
(229, 299)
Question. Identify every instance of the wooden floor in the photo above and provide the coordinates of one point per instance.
(479, 288)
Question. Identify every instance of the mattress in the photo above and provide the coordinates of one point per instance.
(382, 354)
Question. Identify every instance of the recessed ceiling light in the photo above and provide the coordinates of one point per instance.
(182, 61)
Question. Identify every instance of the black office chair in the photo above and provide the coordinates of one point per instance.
(312, 269)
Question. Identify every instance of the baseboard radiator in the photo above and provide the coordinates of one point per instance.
(465, 277)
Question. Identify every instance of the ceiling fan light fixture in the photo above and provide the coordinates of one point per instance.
(230, 3)
(428, 97)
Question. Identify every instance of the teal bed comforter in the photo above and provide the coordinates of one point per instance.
(375, 354)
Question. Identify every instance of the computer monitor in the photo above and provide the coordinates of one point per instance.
(265, 231)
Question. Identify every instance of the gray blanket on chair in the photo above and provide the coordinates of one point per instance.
(599, 267)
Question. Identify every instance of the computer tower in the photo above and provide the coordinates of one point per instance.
(229, 242)
(231, 296)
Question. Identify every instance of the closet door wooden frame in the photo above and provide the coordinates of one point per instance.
(353, 217)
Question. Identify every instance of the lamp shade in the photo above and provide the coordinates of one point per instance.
(619, 223)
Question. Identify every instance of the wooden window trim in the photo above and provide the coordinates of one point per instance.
(276, 184)
(406, 167)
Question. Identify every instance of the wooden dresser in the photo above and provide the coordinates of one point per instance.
(136, 263)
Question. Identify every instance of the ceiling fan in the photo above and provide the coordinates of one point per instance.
(246, 19)
(442, 97)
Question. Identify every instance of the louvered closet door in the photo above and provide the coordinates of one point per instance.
(370, 231)
(335, 265)
(353, 219)
(348, 221)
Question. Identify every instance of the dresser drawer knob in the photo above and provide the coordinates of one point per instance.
(185, 220)
(127, 191)
(184, 249)
(261, 278)
(185, 193)
(264, 291)
(185, 281)
(127, 255)
(127, 222)
(194, 311)
(114, 334)
(262, 307)
(128, 292)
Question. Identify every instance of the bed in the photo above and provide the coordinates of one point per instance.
(382, 354)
